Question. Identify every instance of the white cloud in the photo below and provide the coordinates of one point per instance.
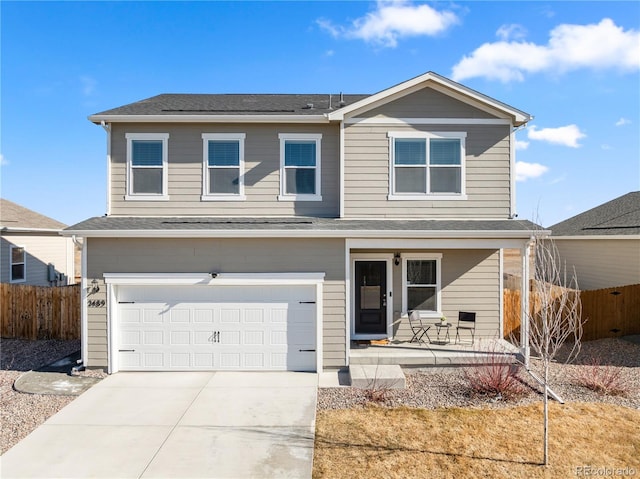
(329, 53)
(564, 135)
(391, 21)
(88, 85)
(570, 47)
(511, 32)
(604, 146)
(522, 145)
(525, 171)
(3, 160)
(623, 121)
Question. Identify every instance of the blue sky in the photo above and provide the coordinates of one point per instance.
(575, 66)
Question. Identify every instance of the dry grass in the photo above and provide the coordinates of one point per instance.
(419, 443)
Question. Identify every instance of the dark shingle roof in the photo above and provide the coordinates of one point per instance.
(154, 225)
(234, 104)
(13, 215)
(616, 217)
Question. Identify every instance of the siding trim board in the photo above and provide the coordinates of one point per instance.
(426, 121)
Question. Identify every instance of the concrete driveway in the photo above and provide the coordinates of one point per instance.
(195, 425)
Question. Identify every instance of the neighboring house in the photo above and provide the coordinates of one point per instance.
(32, 251)
(269, 231)
(603, 244)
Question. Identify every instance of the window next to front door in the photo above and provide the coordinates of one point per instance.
(421, 284)
(147, 165)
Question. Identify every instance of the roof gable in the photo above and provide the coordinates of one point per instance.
(620, 216)
(441, 84)
(14, 216)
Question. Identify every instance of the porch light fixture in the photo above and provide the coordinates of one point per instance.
(396, 259)
(94, 286)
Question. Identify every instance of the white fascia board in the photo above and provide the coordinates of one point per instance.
(404, 87)
(208, 279)
(399, 234)
(210, 118)
(11, 229)
(426, 121)
(437, 243)
(595, 237)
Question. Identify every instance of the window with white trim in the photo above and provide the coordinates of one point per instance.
(421, 284)
(427, 165)
(18, 264)
(300, 161)
(223, 176)
(147, 165)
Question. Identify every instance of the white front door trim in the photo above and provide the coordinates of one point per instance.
(114, 280)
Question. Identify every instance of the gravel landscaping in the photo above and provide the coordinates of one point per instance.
(426, 387)
(21, 413)
(433, 388)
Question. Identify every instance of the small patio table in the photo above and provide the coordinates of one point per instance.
(439, 325)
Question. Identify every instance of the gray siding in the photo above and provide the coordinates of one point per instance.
(602, 263)
(470, 282)
(425, 103)
(40, 251)
(488, 185)
(262, 172)
(225, 255)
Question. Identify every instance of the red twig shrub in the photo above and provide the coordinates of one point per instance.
(494, 377)
(602, 378)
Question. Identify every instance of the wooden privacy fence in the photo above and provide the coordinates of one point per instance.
(38, 312)
(610, 312)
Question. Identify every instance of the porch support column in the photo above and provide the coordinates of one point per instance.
(524, 302)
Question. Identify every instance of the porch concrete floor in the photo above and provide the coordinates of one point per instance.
(432, 354)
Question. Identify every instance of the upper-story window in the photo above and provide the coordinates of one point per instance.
(223, 177)
(300, 161)
(18, 265)
(147, 166)
(427, 165)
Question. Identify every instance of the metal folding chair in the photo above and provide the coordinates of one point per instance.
(466, 321)
(418, 328)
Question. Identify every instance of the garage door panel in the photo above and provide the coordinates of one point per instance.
(248, 328)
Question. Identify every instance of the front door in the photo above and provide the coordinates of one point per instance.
(370, 297)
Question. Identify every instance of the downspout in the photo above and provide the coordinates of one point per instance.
(524, 302)
(84, 325)
(512, 169)
(342, 169)
(107, 128)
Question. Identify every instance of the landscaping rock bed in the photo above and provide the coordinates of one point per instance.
(447, 387)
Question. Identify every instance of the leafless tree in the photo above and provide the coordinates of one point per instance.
(555, 318)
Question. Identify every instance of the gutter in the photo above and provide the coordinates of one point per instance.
(11, 229)
(291, 233)
(99, 119)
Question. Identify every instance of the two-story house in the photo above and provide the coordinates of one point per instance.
(266, 232)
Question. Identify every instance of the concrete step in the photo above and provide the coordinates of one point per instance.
(379, 376)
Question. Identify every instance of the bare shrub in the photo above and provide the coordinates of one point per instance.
(493, 377)
(602, 378)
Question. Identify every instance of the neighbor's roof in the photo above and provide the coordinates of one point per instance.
(105, 226)
(616, 217)
(16, 217)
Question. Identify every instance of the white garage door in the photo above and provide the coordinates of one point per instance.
(181, 328)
